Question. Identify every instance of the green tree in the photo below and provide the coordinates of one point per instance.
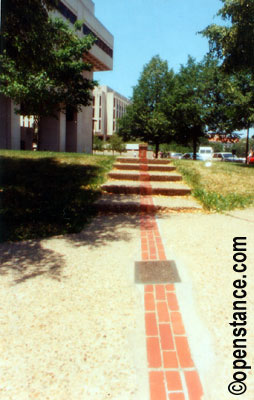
(42, 67)
(145, 118)
(116, 144)
(240, 147)
(189, 110)
(98, 144)
(218, 97)
(234, 42)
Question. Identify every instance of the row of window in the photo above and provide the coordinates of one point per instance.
(98, 42)
(67, 13)
(118, 103)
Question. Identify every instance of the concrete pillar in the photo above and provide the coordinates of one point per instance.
(71, 133)
(53, 133)
(84, 130)
(9, 125)
(85, 125)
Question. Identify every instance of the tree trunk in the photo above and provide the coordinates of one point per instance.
(194, 147)
(157, 147)
(247, 145)
(37, 131)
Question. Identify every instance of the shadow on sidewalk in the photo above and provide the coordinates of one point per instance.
(106, 228)
(26, 260)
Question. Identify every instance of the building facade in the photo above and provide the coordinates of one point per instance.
(71, 131)
(108, 106)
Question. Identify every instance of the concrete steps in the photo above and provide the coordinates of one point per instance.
(150, 167)
(155, 188)
(118, 203)
(153, 176)
(129, 160)
(132, 182)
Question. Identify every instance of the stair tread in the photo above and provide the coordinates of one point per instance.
(160, 184)
(153, 173)
(136, 160)
(164, 202)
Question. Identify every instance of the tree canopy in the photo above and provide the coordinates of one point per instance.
(234, 41)
(145, 118)
(42, 66)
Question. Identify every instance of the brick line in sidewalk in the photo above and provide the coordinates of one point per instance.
(172, 373)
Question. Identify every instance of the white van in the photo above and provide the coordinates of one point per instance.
(205, 152)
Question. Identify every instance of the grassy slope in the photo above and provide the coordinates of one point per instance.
(221, 186)
(46, 193)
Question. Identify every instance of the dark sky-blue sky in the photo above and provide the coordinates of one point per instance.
(144, 28)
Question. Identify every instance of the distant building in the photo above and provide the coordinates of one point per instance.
(71, 131)
(108, 106)
(222, 138)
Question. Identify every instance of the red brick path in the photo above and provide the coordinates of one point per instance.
(172, 373)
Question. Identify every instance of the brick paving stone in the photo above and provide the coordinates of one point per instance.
(167, 344)
(177, 323)
(157, 386)
(151, 324)
(194, 385)
(166, 337)
(173, 379)
(162, 310)
(153, 352)
(149, 301)
(170, 359)
(177, 396)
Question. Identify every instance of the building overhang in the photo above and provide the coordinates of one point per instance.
(101, 54)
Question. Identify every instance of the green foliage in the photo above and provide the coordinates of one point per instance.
(175, 147)
(218, 202)
(182, 107)
(234, 42)
(240, 147)
(42, 66)
(217, 147)
(116, 144)
(145, 117)
(189, 111)
(33, 206)
(98, 144)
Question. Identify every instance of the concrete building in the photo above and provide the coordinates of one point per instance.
(108, 106)
(71, 131)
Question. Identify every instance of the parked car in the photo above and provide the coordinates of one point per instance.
(221, 156)
(205, 152)
(176, 156)
(227, 157)
(250, 158)
(189, 156)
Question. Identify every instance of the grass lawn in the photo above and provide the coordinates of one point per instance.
(47, 193)
(221, 186)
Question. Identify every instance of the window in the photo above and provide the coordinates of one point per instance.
(66, 12)
(103, 46)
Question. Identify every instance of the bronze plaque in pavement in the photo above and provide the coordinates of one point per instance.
(156, 272)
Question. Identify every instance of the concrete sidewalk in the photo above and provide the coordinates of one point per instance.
(76, 325)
